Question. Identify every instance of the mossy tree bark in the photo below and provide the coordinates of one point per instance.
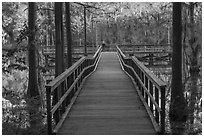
(194, 68)
(33, 92)
(178, 106)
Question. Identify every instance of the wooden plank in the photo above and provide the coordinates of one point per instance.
(108, 104)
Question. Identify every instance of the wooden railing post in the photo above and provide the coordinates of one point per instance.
(156, 91)
(68, 85)
(144, 83)
(151, 92)
(162, 89)
(63, 90)
(56, 97)
(75, 77)
(49, 115)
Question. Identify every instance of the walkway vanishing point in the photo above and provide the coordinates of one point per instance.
(109, 104)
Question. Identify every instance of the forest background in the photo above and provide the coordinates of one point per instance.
(112, 23)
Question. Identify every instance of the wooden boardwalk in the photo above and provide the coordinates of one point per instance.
(108, 104)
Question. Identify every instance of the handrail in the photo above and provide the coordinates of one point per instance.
(150, 89)
(97, 52)
(142, 45)
(145, 48)
(66, 86)
(148, 73)
(55, 82)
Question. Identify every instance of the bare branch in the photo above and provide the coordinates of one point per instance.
(100, 13)
(48, 9)
(88, 6)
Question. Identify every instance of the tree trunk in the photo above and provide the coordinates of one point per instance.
(33, 93)
(85, 50)
(62, 35)
(69, 35)
(178, 112)
(59, 53)
(194, 62)
(194, 69)
(92, 33)
(50, 30)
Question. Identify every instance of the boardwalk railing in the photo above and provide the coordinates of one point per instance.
(146, 48)
(150, 89)
(151, 55)
(67, 86)
(49, 50)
